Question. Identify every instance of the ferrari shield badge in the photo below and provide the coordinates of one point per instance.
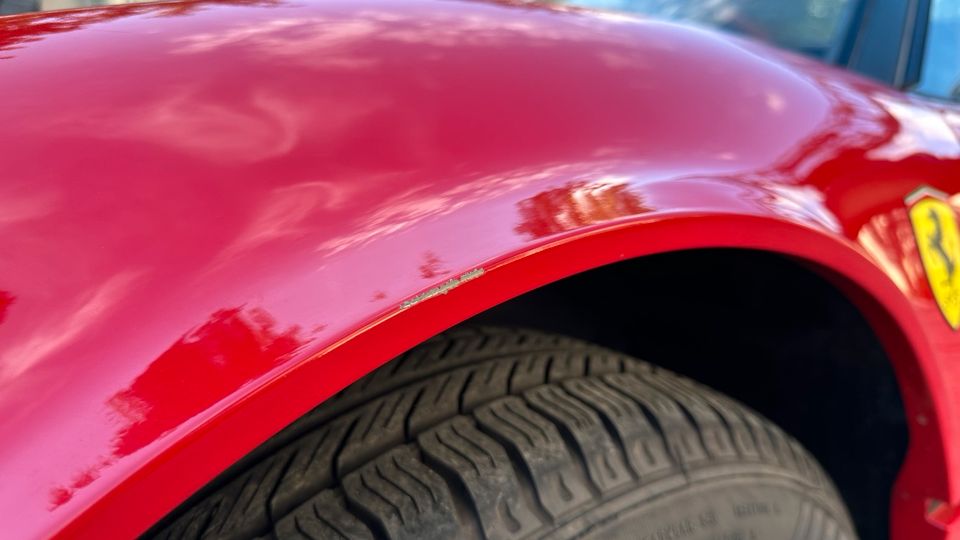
(938, 241)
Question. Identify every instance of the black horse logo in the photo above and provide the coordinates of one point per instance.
(936, 243)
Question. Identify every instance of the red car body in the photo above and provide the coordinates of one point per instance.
(214, 215)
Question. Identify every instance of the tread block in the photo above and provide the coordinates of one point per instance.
(646, 453)
(566, 365)
(381, 424)
(243, 511)
(713, 432)
(191, 525)
(806, 464)
(604, 460)
(765, 447)
(321, 517)
(529, 371)
(682, 438)
(488, 381)
(485, 470)
(632, 365)
(559, 484)
(404, 497)
(781, 446)
(813, 523)
(312, 466)
(439, 400)
(601, 364)
(740, 434)
(455, 348)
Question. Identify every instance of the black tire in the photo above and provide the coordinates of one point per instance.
(493, 433)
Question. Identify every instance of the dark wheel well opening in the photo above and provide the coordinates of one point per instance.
(764, 329)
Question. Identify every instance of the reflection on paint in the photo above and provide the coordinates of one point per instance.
(231, 348)
(576, 205)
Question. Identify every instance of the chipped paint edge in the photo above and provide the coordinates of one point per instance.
(443, 288)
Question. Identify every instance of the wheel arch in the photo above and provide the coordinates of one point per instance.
(777, 333)
(239, 427)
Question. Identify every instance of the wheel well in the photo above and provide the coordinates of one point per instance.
(765, 329)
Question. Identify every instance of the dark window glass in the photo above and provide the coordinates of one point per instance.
(940, 75)
(813, 27)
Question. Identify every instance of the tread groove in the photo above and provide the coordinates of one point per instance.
(450, 447)
(415, 479)
(511, 375)
(443, 387)
(268, 500)
(300, 529)
(481, 449)
(396, 509)
(697, 427)
(413, 407)
(335, 455)
(520, 468)
(463, 392)
(373, 418)
(579, 461)
(397, 486)
(319, 516)
(516, 428)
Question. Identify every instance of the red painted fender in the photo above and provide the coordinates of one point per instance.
(215, 215)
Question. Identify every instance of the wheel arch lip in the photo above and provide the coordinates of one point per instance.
(194, 453)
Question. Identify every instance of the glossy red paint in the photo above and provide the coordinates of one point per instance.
(211, 212)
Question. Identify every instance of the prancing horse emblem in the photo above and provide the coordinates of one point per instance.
(938, 241)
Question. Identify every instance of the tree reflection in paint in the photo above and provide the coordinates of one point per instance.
(577, 204)
(6, 300)
(231, 348)
(15, 31)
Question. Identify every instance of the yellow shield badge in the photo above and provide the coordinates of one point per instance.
(938, 240)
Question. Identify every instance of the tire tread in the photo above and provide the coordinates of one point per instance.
(505, 433)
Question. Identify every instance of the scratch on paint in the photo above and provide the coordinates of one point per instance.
(443, 288)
